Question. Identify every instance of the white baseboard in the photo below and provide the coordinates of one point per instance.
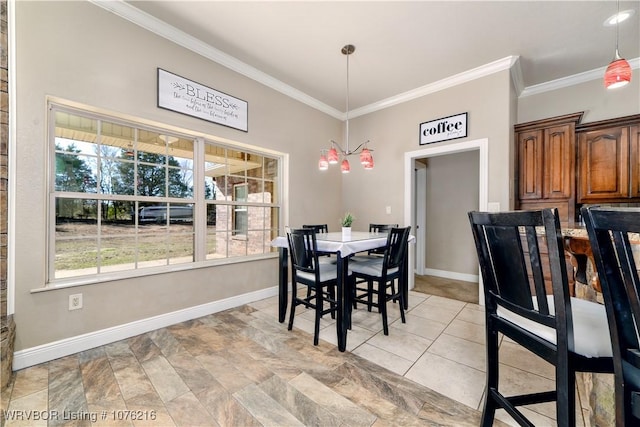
(54, 350)
(452, 275)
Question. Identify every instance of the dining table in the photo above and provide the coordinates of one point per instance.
(343, 246)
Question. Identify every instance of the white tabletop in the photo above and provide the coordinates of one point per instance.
(359, 241)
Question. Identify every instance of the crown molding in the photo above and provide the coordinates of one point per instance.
(162, 29)
(455, 80)
(512, 63)
(587, 76)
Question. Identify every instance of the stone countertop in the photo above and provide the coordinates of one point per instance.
(580, 232)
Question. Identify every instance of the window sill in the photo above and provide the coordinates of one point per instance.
(125, 275)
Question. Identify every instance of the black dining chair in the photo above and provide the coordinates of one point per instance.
(617, 261)
(319, 278)
(319, 228)
(366, 292)
(383, 271)
(514, 249)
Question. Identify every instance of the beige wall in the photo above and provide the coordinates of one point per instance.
(79, 52)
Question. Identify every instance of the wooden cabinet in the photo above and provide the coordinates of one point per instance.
(609, 161)
(634, 158)
(545, 164)
(563, 163)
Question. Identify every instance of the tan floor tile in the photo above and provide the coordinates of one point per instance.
(435, 312)
(516, 356)
(445, 303)
(454, 380)
(466, 330)
(471, 313)
(186, 410)
(401, 343)
(30, 410)
(417, 325)
(355, 337)
(383, 358)
(164, 378)
(460, 350)
(30, 380)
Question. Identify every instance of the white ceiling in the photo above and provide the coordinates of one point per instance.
(401, 46)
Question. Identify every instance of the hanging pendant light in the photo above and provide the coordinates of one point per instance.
(618, 72)
(345, 167)
(323, 163)
(334, 153)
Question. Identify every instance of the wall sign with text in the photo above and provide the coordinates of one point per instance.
(444, 129)
(184, 96)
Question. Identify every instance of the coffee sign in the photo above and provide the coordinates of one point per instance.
(444, 129)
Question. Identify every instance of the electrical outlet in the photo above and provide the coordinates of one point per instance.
(75, 302)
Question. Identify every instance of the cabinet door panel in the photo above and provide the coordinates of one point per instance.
(634, 158)
(558, 160)
(530, 176)
(604, 172)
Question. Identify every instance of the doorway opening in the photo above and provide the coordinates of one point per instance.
(414, 196)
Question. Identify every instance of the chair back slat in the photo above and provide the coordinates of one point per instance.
(394, 252)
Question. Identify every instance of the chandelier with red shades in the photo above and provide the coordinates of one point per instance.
(333, 155)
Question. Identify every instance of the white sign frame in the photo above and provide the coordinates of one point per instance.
(444, 129)
(175, 93)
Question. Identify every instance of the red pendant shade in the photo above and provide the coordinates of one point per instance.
(365, 157)
(618, 73)
(332, 157)
(345, 167)
(323, 163)
(369, 165)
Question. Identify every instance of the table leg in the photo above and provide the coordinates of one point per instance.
(344, 301)
(283, 283)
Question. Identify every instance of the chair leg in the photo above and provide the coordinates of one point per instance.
(319, 307)
(400, 298)
(382, 306)
(369, 294)
(565, 394)
(489, 411)
(292, 313)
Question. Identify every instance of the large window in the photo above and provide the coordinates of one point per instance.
(126, 197)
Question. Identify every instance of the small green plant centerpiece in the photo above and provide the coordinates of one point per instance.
(346, 222)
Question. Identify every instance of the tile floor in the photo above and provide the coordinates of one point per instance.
(441, 347)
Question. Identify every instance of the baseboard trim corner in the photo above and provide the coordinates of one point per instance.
(54, 350)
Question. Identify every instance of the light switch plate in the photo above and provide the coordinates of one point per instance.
(493, 206)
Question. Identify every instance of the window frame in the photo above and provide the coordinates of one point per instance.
(198, 201)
